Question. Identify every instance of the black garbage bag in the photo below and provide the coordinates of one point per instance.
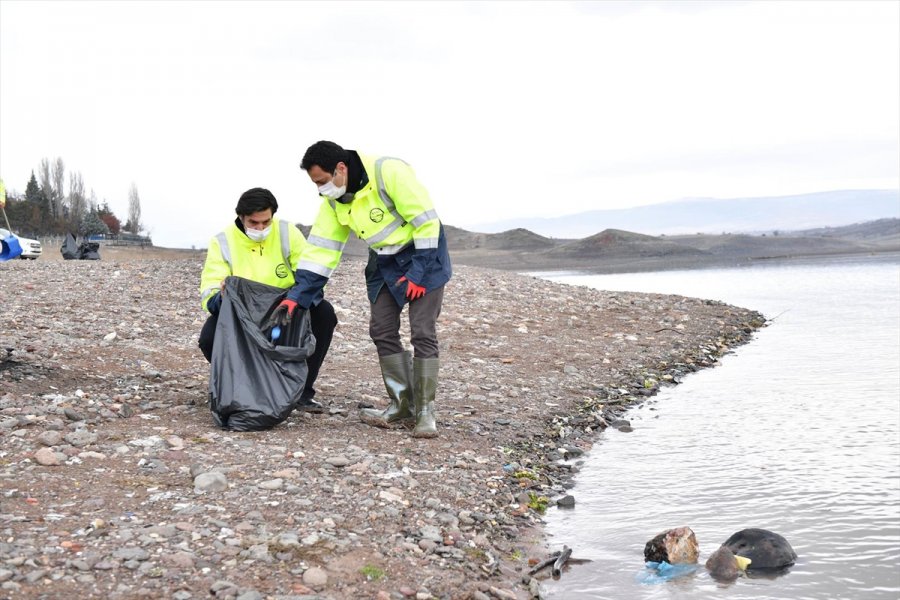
(254, 384)
(89, 251)
(69, 248)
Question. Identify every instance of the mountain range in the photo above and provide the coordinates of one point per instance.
(615, 250)
(710, 215)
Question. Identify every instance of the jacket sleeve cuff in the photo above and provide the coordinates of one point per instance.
(214, 303)
(308, 291)
(421, 265)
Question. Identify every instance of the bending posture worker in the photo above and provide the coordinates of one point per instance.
(259, 247)
(382, 202)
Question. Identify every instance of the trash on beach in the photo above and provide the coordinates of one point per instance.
(660, 572)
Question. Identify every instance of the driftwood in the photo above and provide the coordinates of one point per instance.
(557, 559)
(560, 561)
(545, 563)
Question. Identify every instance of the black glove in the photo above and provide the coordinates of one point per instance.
(281, 316)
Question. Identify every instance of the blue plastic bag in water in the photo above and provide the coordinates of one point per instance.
(659, 572)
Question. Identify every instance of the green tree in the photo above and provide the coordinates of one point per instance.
(33, 191)
(92, 224)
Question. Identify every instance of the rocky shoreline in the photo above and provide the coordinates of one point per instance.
(114, 482)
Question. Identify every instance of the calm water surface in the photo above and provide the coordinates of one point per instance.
(797, 432)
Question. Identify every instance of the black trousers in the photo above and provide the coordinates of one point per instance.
(322, 320)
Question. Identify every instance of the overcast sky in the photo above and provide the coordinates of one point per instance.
(504, 109)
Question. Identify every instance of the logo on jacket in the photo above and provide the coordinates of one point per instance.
(281, 271)
(376, 215)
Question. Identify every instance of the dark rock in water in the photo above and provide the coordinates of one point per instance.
(675, 546)
(766, 549)
(722, 564)
(566, 501)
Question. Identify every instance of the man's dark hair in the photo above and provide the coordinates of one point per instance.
(325, 155)
(255, 200)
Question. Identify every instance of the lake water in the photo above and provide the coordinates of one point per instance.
(797, 432)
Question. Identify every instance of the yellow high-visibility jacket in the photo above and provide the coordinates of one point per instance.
(394, 215)
(272, 261)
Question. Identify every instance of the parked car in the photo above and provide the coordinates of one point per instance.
(30, 248)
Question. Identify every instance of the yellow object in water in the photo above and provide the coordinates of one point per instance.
(742, 562)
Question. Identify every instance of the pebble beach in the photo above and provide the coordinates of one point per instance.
(115, 483)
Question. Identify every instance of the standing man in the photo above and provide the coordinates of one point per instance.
(259, 247)
(382, 202)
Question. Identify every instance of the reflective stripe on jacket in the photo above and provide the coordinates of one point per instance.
(394, 215)
(272, 261)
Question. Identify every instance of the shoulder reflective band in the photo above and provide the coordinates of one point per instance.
(285, 233)
(223, 247)
(382, 192)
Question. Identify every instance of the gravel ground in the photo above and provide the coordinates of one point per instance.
(114, 482)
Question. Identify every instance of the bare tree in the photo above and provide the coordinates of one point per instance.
(77, 201)
(134, 209)
(58, 172)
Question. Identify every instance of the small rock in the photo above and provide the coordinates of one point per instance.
(271, 484)
(210, 482)
(502, 594)
(675, 546)
(73, 415)
(47, 457)
(430, 532)
(131, 553)
(50, 438)
(315, 577)
(566, 501)
(81, 437)
(181, 560)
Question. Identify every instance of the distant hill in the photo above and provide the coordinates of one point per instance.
(515, 239)
(710, 215)
(749, 246)
(614, 242)
(880, 231)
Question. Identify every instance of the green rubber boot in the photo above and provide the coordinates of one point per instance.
(425, 379)
(396, 372)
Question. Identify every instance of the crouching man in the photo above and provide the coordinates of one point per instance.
(262, 248)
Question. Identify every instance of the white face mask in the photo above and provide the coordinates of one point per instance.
(258, 235)
(329, 190)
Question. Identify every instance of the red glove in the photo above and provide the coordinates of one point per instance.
(290, 304)
(413, 291)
